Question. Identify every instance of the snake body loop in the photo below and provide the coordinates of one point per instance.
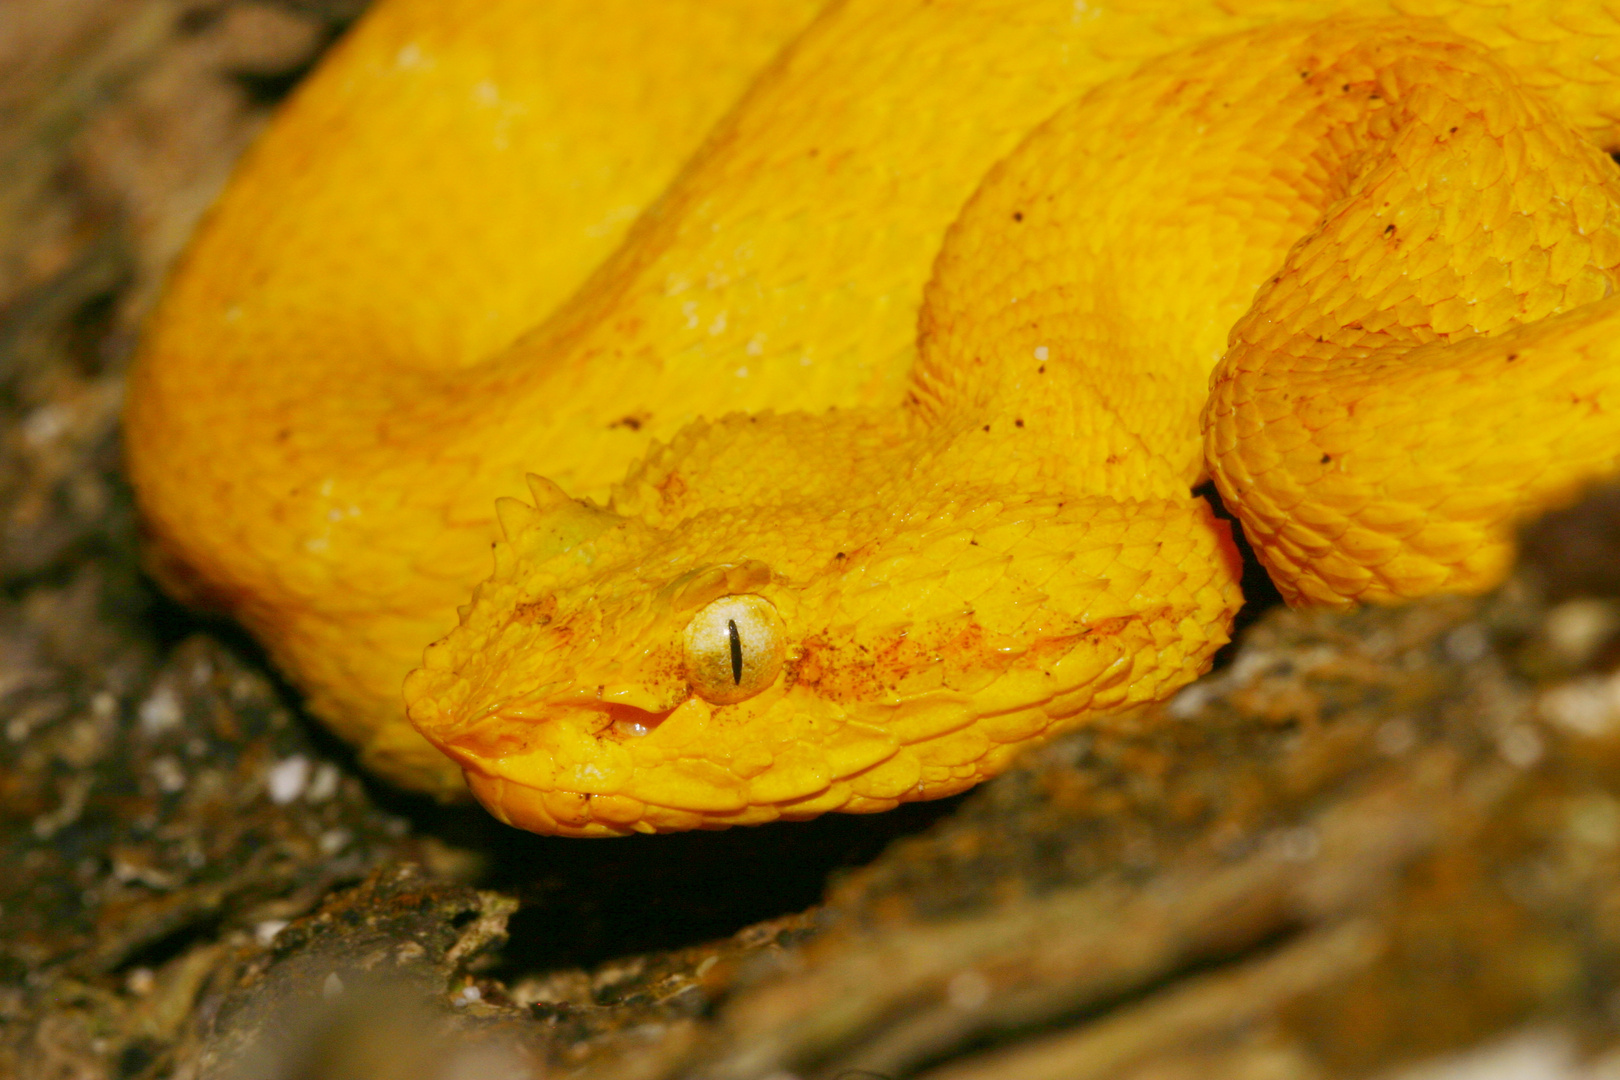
(868, 444)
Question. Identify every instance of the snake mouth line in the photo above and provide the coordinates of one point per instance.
(627, 721)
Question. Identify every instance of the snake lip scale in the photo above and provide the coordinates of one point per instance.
(830, 380)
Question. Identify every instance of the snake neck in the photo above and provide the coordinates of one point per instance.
(1429, 364)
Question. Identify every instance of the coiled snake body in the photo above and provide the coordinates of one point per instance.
(869, 383)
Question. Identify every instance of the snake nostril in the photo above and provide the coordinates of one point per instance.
(634, 722)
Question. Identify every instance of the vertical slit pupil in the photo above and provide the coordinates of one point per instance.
(736, 651)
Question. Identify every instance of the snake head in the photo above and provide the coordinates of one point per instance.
(600, 649)
(626, 672)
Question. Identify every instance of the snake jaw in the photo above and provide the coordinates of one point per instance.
(825, 736)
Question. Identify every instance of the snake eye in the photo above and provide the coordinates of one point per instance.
(734, 648)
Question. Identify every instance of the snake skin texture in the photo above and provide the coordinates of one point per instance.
(831, 380)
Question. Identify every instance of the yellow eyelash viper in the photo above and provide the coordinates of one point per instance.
(869, 352)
